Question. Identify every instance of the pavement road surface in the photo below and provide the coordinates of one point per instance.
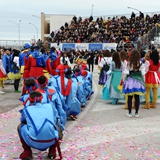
(101, 132)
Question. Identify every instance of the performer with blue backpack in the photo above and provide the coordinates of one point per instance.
(36, 63)
(38, 128)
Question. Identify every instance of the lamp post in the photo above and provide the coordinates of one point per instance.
(36, 28)
(36, 16)
(18, 25)
(133, 8)
(92, 10)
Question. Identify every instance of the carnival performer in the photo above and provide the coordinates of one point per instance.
(47, 70)
(110, 89)
(36, 63)
(87, 83)
(38, 128)
(23, 57)
(50, 95)
(30, 84)
(68, 91)
(103, 65)
(81, 92)
(6, 60)
(123, 58)
(134, 81)
(54, 60)
(14, 73)
(3, 75)
(152, 79)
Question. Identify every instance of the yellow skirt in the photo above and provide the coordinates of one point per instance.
(22, 69)
(46, 74)
(14, 76)
(152, 85)
(3, 78)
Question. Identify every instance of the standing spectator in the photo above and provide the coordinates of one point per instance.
(141, 15)
(80, 19)
(75, 19)
(66, 25)
(152, 47)
(64, 59)
(91, 18)
(90, 60)
(133, 15)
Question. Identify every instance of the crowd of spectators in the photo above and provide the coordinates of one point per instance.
(118, 30)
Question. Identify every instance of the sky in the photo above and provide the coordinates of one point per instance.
(15, 10)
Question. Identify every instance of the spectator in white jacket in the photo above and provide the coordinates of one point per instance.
(64, 59)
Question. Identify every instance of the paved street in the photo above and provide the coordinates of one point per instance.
(102, 131)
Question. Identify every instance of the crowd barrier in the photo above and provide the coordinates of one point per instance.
(84, 46)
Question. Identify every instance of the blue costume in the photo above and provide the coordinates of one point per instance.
(22, 56)
(6, 60)
(51, 96)
(71, 102)
(110, 90)
(81, 92)
(41, 126)
(67, 89)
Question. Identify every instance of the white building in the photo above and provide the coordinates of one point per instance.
(52, 22)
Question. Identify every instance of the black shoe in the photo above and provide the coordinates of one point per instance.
(51, 156)
(83, 106)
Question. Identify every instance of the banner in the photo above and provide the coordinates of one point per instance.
(84, 46)
(56, 45)
(109, 46)
(67, 46)
(81, 46)
(94, 46)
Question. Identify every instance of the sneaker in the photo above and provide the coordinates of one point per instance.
(83, 106)
(1, 92)
(17, 91)
(73, 117)
(4, 89)
(129, 114)
(136, 115)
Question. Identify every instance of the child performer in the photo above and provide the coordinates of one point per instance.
(134, 81)
(15, 70)
(152, 79)
(3, 75)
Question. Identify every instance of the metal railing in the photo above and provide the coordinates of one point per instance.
(144, 42)
(128, 15)
(13, 43)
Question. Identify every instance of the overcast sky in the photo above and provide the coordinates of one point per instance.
(23, 10)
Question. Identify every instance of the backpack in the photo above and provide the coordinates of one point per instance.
(105, 66)
(40, 62)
